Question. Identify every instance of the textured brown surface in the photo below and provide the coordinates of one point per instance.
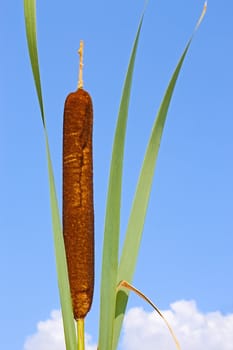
(78, 212)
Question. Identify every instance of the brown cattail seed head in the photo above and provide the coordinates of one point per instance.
(78, 211)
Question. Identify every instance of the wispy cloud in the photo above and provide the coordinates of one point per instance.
(146, 330)
(194, 329)
(50, 335)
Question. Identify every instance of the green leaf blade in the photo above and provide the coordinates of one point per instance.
(112, 219)
(139, 208)
(62, 273)
(141, 199)
(30, 25)
(61, 265)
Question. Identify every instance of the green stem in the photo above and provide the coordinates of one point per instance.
(80, 331)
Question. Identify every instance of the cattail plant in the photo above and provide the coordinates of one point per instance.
(78, 210)
(74, 247)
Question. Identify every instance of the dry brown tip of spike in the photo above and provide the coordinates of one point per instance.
(78, 209)
(80, 75)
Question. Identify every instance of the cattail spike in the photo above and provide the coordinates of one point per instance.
(78, 208)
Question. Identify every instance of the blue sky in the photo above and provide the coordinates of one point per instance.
(186, 253)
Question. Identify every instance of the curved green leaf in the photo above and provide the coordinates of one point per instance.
(63, 282)
(138, 212)
(142, 194)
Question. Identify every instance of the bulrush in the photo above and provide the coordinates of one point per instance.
(78, 209)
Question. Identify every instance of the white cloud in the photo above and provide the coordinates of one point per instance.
(50, 335)
(146, 330)
(195, 330)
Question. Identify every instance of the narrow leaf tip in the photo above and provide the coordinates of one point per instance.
(202, 15)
